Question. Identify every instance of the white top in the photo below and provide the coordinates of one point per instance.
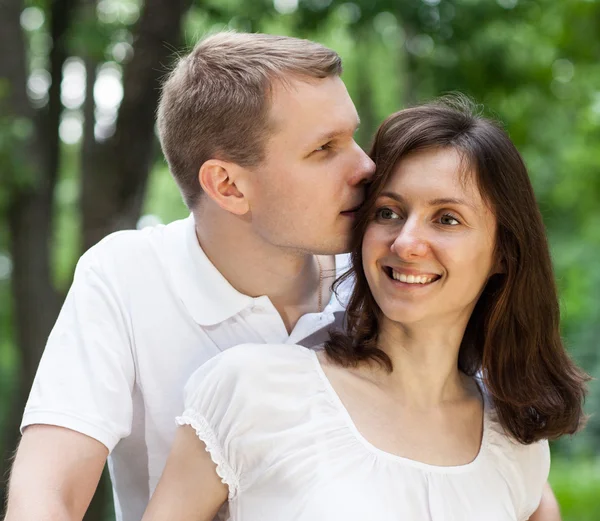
(288, 450)
(145, 310)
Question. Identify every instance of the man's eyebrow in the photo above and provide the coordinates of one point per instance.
(440, 201)
(328, 136)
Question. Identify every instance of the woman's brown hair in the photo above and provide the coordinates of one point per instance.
(513, 336)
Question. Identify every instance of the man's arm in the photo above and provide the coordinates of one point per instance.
(80, 404)
(548, 509)
(55, 474)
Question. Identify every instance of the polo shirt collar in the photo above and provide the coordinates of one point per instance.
(207, 294)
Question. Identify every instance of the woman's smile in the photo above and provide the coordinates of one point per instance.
(431, 235)
(409, 279)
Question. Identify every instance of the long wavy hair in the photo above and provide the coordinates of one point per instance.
(513, 335)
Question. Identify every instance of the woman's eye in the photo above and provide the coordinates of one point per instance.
(449, 220)
(385, 214)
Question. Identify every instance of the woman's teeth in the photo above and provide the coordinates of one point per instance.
(412, 279)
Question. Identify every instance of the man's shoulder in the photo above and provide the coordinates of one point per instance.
(134, 249)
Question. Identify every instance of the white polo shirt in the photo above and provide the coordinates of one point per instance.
(145, 310)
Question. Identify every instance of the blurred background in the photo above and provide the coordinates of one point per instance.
(79, 83)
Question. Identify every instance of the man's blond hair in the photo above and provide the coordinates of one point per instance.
(215, 103)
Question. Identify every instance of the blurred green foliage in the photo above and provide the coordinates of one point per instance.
(576, 485)
(534, 64)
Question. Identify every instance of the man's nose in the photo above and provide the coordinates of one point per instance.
(365, 168)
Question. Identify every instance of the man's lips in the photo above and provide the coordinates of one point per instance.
(351, 210)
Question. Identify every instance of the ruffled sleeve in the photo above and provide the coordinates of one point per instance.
(218, 408)
(246, 405)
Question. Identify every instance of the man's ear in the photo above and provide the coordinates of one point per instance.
(218, 180)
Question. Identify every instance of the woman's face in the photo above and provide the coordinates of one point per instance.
(429, 250)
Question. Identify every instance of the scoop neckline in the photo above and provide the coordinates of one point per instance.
(450, 469)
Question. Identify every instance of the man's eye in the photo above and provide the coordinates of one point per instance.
(449, 220)
(385, 214)
(326, 146)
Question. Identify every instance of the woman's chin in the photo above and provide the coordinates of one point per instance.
(404, 315)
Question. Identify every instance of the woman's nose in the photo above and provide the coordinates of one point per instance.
(410, 242)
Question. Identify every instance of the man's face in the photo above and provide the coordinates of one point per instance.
(303, 194)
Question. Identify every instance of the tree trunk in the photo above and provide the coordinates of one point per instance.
(115, 173)
(364, 88)
(114, 176)
(29, 217)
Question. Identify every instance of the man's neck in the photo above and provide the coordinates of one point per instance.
(253, 267)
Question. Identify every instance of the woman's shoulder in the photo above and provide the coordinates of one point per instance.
(506, 444)
(263, 355)
(258, 360)
(255, 368)
(525, 467)
(240, 399)
(498, 436)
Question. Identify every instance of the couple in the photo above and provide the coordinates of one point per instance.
(432, 399)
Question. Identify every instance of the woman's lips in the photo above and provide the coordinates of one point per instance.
(411, 277)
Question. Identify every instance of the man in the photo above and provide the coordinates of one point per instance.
(258, 132)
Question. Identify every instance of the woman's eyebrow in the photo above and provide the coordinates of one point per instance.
(450, 200)
(440, 201)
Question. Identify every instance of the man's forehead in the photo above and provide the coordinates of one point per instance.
(319, 130)
(313, 98)
(325, 122)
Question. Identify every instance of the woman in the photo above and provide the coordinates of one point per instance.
(453, 294)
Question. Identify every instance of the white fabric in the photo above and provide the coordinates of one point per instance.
(145, 310)
(288, 450)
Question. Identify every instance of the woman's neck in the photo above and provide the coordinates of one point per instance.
(425, 360)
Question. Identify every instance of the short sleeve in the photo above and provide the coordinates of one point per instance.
(86, 374)
(535, 467)
(211, 409)
(227, 401)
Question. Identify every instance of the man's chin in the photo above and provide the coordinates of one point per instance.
(339, 247)
(331, 249)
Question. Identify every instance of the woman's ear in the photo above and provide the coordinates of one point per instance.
(499, 266)
(218, 180)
